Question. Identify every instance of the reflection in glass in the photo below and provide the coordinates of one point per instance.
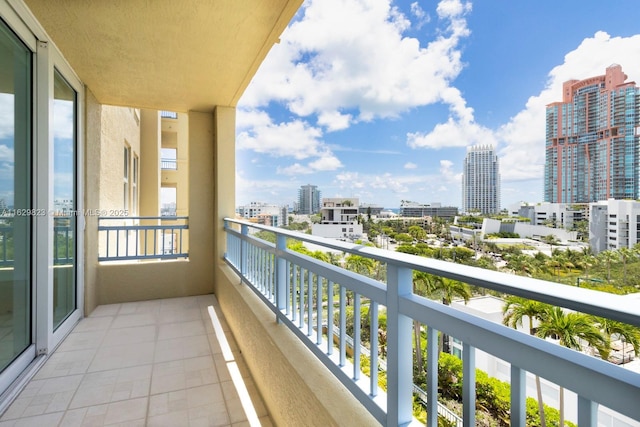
(15, 197)
(64, 200)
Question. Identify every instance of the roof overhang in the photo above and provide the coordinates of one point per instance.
(165, 55)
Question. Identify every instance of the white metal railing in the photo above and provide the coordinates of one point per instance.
(142, 237)
(296, 286)
(443, 411)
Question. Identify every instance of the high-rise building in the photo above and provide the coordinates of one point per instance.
(308, 199)
(592, 142)
(481, 180)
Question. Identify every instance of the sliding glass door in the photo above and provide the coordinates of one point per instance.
(64, 199)
(15, 197)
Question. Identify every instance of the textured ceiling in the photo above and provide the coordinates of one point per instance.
(166, 55)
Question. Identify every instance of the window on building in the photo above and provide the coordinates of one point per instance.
(127, 160)
(134, 185)
(168, 201)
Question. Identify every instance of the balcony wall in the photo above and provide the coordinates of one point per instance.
(109, 283)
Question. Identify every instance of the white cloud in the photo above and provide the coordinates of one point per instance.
(6, 154)
(333, 120)
(6, 115)
(326, 162)
(329, 62)
(410, 165)
(63, 126)
(422, 17)
(453, 133)
(295, 139)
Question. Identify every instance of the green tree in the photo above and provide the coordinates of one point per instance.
(417, 232)
(446, 290)
(618, 330)
(571, 329)
(514, 311)
(625, 255)
(608, 258)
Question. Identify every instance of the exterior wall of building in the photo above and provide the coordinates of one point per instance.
(174, 278)
(592, 145)
(339, 219)
(481, 181)
(337, 231)
(277, 214)
(615, 224)
(413, 209)
(108, 129)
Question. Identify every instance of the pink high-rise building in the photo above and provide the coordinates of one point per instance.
(593, 140)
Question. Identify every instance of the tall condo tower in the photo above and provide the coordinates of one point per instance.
(592, 140)
(481, 180)
(308, 199)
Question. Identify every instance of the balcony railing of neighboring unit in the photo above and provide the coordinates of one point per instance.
(142, 237)
(63, 241)
(168, 115)
(170, 164)
(294, 286)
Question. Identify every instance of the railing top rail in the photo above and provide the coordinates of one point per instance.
(615, 307)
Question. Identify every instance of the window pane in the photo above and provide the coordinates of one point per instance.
(15, 197)
(64, 200)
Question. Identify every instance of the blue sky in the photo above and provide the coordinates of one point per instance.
(380, 99)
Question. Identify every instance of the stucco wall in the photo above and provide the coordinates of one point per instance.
(138, 281)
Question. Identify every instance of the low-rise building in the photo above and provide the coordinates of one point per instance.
(614, 224)
(339, 219)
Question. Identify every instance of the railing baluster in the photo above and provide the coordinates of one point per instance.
(319, 310)
(302, 292)
(373, 342)
(468, 384)
(297, 273)
(282, 273)
(518, 396)
(287, 302)
(399, 347)
(587, 412)
(343, 325)
(356, 336)
(310, 304)
(330, 318)
(432, 377)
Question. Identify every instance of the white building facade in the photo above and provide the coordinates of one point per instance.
(614, 224)
(256, 210)
(339, 219)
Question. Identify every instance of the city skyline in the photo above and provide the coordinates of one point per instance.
(381, 101)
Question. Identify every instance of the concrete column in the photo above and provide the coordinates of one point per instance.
(149, 163)
(225, 173)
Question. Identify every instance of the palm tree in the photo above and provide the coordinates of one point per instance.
(447, 290)
(514, 311)
(608, 258)
(571, 329)
(625, 254)
(613, 328)
(420, 287)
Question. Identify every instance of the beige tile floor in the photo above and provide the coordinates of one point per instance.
(151, 363)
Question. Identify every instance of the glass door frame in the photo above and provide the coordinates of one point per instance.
(46, 58)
